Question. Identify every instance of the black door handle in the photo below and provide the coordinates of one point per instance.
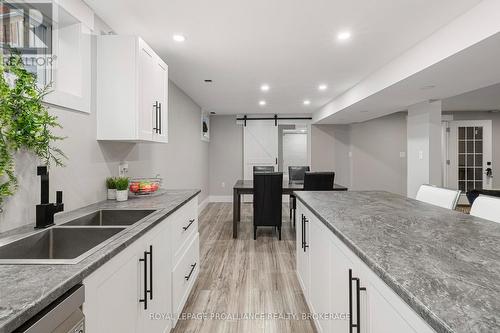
(187, 227)
(187, 277)
(145, 299)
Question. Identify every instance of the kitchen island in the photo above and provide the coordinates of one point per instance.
(443, 265)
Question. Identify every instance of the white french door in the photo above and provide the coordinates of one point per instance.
(470, 155)
(260, 141)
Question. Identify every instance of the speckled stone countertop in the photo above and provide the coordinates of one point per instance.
(27, 289)
(444, 264)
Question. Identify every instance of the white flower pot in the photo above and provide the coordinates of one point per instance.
(111, 194)
(122, 195)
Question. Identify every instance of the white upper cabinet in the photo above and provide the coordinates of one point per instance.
(132, 91)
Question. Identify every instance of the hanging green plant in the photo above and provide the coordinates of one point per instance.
(25, 123)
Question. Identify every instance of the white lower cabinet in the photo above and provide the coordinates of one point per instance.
(321, 274)
(184, 275)
(338, 280)
(303, 261)
(137, 290)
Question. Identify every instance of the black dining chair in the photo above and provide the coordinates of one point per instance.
(267, 197)
(319, 181)
(295, 175)
(473, 194)
(263, 168)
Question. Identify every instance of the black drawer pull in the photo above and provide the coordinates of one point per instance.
(358, 303)
(187, 227)
(187, 277)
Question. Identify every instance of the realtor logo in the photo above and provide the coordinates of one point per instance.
(26, 27)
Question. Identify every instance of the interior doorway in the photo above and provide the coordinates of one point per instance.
(294, 149)
(468, 161)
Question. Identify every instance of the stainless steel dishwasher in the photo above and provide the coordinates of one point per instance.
(64, 315)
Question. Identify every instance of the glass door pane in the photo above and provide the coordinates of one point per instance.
(470, 158)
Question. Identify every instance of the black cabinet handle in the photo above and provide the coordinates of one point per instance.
(150, 272)
(302, 229)
(187, 227)
(187, 277)
(156, 117)
(358, 303)
(350, 301)
(159, 122)
(304, 233)
(145, 299)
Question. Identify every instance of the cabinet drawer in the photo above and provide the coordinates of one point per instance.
(185, 273)
(185, 225)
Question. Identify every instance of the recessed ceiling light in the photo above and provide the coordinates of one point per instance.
(307, 102)
(322, 87)
(179, 38)
(344, 35)
(262, 103)
(264, 87)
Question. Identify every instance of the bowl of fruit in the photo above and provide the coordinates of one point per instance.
(144, 186)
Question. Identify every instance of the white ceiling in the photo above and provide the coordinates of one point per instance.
(289, 44)
(465, 81)
(485, 99)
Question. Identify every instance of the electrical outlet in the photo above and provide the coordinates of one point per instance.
(123, 169)
(223, 185)
(420, 155)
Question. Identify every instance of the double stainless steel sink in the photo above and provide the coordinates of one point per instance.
(71, 242)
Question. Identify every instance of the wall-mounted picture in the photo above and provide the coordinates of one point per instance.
(205, 126)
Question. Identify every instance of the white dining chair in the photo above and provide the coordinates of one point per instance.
(438, 196)
(487, 208)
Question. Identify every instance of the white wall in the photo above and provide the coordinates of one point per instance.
(376, 146)
(183, 162)
(225, 155)
(424, 146)
(330, 147)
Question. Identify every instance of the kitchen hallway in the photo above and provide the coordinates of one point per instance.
(244, 277)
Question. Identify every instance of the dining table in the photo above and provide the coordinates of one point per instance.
(246, 187)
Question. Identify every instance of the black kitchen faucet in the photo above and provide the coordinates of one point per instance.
(45, 211)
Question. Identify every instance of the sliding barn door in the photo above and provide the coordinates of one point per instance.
(260, 146)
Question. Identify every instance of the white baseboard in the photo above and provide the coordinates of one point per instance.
(203, 204)
(220, 198)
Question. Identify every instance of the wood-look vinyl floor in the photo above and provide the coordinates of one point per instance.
(243, 276)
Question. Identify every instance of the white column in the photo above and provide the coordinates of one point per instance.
(424, 145)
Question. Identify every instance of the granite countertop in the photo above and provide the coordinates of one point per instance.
(443, 263)
(27, 289)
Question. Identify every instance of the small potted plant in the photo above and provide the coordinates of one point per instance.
(111, 186)
(121, 188)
